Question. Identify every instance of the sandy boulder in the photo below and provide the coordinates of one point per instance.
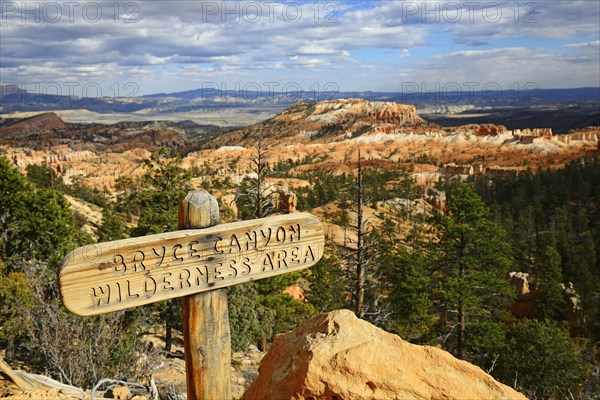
(338, 356)
(120, 393)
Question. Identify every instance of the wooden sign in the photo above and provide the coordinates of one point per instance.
(112, 276)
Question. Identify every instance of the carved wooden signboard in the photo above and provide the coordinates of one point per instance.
(111, 276)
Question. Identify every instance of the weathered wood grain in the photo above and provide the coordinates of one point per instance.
(111, 276)
(206, 333)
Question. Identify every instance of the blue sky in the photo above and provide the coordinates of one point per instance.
(133, 47)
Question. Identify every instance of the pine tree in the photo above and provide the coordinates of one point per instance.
(16, 295)
(281, 312)
(549, 298)
(164, 184)
(411, 297)
(541, 361)
(36, 231)
(41, 175)
(472, 263)
(35, 223)
(250, 321)
(112, 227)
(327, 290)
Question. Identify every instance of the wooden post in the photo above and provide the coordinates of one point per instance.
(206, 334)
(201, 261)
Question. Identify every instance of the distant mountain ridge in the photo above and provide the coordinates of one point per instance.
(15, 99)
(414, 96)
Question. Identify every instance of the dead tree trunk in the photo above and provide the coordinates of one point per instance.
(360, 264)
(460, 348)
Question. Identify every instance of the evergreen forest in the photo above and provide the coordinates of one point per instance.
(452, 278)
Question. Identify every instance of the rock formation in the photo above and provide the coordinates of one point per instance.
(523, 305)
(285, 201)
(329, 120)
(338, 356)
(526, 290)
(436, 198)
(319, 137)
(452, 169)
(572, 297)
(520, 282)
(480, 129)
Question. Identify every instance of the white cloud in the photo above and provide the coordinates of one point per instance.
(484, 53)
(176, 44)
(593, 44)
(511, 68)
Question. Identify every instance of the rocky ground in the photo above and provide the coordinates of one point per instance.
(168, 376)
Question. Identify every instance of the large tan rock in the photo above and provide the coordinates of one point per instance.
(338, 356)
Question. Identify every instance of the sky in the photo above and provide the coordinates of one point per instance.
(129, 48)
